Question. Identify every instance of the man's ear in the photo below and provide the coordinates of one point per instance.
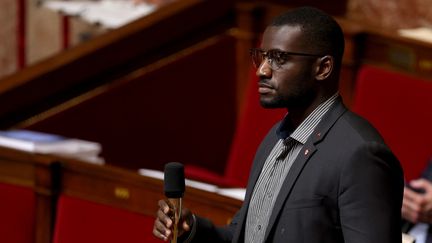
(325, 67)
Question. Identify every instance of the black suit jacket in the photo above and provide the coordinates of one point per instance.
(344, 186)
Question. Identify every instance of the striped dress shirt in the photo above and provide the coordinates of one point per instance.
(275, 170)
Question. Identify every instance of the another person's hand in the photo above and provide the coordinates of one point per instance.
(163, 225)
(417, 207)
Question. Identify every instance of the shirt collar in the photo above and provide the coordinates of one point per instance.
(305, 129)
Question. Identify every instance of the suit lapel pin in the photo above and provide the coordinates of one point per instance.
(306, 152)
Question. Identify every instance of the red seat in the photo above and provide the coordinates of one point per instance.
(17, 214)
(79, 220)
(252, 126)
(400, 107)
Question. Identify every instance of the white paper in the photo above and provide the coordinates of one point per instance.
(45, 143)
(236, 193)
(108, 13)
(421, 33)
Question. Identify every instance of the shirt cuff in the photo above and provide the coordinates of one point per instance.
(193, 230)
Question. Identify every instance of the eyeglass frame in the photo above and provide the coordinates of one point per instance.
(262, 52)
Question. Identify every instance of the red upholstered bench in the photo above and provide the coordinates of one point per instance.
(26, 196)
(84, 221)
(400, 107)
(17, 214)
(104, 204)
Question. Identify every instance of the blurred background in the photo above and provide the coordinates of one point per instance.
(151, 82)
(146, 79)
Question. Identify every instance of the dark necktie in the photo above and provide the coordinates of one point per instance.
(288, 144)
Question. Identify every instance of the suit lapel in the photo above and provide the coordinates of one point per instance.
(308, 150)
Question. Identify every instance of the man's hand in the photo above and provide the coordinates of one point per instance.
(417, 207)
(163, 225)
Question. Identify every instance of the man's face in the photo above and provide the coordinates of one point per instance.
(293, 83)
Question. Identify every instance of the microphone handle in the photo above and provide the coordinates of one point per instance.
(177, 207)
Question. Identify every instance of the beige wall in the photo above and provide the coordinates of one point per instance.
(8, 43)
(392, 14)
(43, 32)
(45, 36)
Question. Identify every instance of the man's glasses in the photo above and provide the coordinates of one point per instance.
(275, 58)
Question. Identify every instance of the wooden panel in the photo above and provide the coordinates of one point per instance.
(110, 56)
(10, 16)
(166, 79)
(389, 50)
(333, 7)
(181, 108)
(128, 190)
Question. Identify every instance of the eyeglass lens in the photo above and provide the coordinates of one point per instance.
(272, 56)
(275, 58)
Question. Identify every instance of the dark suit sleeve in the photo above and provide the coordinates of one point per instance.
(207, 232)
(370, 196)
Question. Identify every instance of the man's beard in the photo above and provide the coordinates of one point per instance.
(298, 100)
(273, 103)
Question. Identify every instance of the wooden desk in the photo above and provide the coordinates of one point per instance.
(390, 50)
(128, 190)
(50, 176)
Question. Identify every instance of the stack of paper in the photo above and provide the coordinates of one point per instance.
(421, 33)
(237, 193)
(108, 13)
(44, 143)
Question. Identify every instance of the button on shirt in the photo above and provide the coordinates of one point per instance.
(275, 170)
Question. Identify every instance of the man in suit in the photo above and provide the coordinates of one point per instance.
(322, 174)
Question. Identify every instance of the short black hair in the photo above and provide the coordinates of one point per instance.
(320, 30)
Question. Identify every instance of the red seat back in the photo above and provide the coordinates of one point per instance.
(252, 126)
(83, 221)
(400, 107)
(17, 214)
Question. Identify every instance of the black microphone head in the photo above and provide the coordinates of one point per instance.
(174, 182)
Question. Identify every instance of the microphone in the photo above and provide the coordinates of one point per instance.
(174, 187)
